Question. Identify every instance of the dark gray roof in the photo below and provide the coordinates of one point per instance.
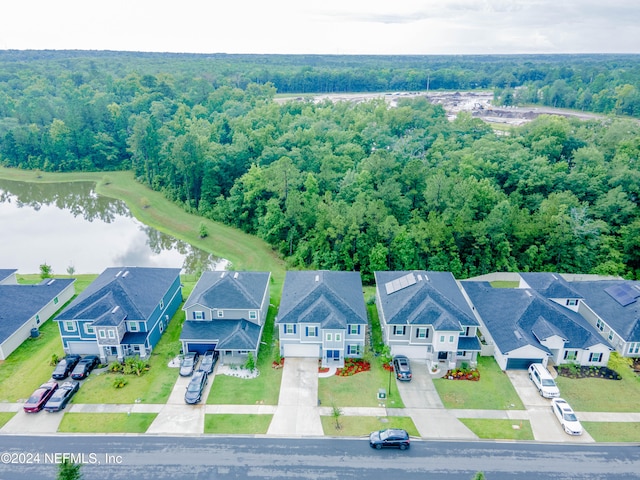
(550, 285)
(624, 320)
(429, 298)
(6, 272)
(232, 290)
(332, 299)
(118, 293)
(19, 303)
(227, 334)
(469, 344)
(513, 314)
(134, 338)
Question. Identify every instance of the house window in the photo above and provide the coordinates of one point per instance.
(55, 301)
(198, 315)
(450, 338)
(595, 357)
(69, 326)
(161, 326)
(572, 302)
(133, 326)
(112, 334)
(329, 337)
(354, 329)
(634, 347)
(442, 338)
(397, 330)
(570, 355)
(466, 332)
(353, 350)
(136, 348)
(600, 325)
(610, 337)
(338, 337)
(289, 328)
(37, 319)
(102, 334)
(422, 332)
(462, 353)
(161, 304)
(253, 315)
(88, 329)
(220, 313)
(311, 331)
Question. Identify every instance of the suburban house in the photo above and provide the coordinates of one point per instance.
(23, 308)
(226, 311)
(537, 322)
(611, 306)
(322, 315)
(122, 313)
(425, 315)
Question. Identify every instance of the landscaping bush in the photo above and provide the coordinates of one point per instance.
(119, 381)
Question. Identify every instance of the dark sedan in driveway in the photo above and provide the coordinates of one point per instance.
(188, 364)
(196, 387)
(391, 437)
(61, 396)
(40, 396)
(209, 360)
(84, 367)
(402, 368)
(64, 367)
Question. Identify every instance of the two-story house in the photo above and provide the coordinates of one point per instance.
(226, 311)
(425, 315)
(322, 315)
(122, 313)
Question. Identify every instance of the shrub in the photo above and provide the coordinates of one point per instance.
(54, 360)
(119, 381)
(250, 364)
(116, 367)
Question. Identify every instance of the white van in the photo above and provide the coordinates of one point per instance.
(541, 378)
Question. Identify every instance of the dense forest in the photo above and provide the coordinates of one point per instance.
(353, 186)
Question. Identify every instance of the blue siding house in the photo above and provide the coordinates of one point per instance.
(122, 313)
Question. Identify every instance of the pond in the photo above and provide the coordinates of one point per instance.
(74, 230)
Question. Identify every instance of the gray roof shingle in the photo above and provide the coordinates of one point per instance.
(227, 334)
(229, 290)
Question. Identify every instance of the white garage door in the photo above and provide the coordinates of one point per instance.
(297, 350)
(416, 352)
(83, 348)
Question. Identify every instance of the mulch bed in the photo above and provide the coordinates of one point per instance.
(588, 372)
(351, 367)
(463, 374)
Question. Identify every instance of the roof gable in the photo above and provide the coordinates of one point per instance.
(229, 290)
(549, 285)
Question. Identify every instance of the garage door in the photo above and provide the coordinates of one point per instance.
(297, 350)
(521, 363)
(83, 348)
(200, 347)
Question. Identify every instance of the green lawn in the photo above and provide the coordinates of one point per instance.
(5, 417)
(363, 426)
(499, 429)
(493, 391)
(613, 431)
(229, 424)
(602, 395)
(106, 422)
(504, 284)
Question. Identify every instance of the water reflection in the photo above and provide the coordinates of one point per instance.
(68, 225)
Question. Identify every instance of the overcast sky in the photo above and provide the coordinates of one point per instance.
(324, 26)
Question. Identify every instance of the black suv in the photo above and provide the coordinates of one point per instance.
(64, 367)
(402, 368)
(84, 367)
(390, 437)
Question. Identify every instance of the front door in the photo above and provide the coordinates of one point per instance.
(333, 355)
(443, 355)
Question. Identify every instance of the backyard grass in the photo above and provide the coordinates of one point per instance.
(106, 422)
(363, 426)
(499, 429)
(237, 424)
(5, 417)
(493, 391)
(504, 284)
(613, 431)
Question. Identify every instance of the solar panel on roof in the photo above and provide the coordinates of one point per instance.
(625, 294)
(400, 283)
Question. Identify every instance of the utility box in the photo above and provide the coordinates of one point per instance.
(382, 394)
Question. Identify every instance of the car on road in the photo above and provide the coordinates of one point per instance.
(188, 364)
(566, 416)
(209, 360)
(84, 367)
(36, 401)
(402, 367)
(391, 437)
(61, 396)
(196, 387)
(65, 366)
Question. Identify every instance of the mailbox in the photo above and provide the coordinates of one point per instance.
(382, 394)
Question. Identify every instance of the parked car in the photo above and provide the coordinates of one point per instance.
(391, 437)
(61, 396)
(566, 416)
(209, 360)
(196, 387)
(188, 364)
(402, 367)
(84, 367)
(65, 366)
(36, 401)
(543, 381)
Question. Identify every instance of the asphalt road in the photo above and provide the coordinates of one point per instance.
(217, 457)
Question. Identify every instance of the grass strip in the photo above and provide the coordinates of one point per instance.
(498, 429)
(106, 422)
(363, 426)
(237, 424)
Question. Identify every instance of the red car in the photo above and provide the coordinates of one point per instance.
(40, 396)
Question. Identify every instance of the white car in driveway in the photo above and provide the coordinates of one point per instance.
(566, 416)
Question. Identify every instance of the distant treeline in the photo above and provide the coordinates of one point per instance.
(349, 186)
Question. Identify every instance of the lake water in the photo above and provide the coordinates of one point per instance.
(68, 225)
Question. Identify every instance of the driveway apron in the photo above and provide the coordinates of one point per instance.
(297, 413)
(26, 423)
(423, 404)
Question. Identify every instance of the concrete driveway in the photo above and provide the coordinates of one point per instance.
(544, 424)
(297, 413)
(41, 422)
